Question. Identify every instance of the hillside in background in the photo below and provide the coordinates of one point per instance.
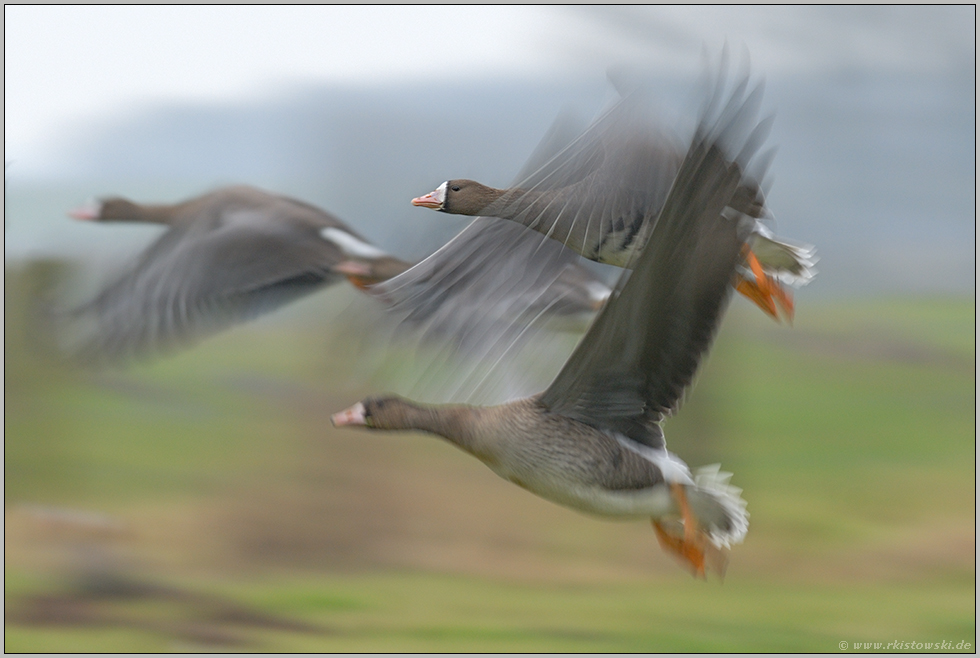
(878, 172)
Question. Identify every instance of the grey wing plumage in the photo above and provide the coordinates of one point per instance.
(595, 193)
(484, 288)
(194, 281)
(644, 348)
(492, 287)
(564, 130)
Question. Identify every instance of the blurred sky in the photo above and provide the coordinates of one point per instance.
(875, 115)
(64, 64)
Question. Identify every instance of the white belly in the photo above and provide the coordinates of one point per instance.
(653, 501)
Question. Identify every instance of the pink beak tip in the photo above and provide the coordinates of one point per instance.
(88, 212)
(430, 200)
(351, 416)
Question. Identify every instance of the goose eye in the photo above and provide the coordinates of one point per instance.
(455, 188)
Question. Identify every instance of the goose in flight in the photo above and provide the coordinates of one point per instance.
(593, 440)
(598, 195)
(227, 256)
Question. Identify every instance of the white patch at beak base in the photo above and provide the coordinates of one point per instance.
(89, 211)
(351, 416)
(435, 199)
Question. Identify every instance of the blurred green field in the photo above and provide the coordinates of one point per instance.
(852, 434)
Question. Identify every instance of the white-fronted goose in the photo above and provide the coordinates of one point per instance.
(228, 256)
(593, 440)
(495, 287)
(597, 194)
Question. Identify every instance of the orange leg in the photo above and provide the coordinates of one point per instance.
(359, 282)
(765, 291)
(690, 547)
(785, 301)
(757, 295)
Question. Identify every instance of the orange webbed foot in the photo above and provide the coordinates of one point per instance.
(765, 291)
(692, 547)
(690, 555)
(758, 297)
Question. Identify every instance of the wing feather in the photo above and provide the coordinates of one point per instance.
(644, 348)
(191, 283)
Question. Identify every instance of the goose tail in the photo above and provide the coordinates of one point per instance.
(719, 506)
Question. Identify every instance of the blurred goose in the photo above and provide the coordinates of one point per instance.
(228, 256)
(592, 440)
(596, 196)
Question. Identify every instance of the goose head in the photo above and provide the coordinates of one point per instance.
(113, 209)
(380, 413)
(459, 197)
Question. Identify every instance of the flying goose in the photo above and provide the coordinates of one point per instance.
(597, 195)
(227, 256)
(593, 440)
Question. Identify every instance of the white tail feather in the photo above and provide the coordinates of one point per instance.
(719, 506)
(792, 264)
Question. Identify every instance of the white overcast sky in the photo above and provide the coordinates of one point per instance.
(64, 65)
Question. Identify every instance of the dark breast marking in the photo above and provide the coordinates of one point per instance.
(634, 228)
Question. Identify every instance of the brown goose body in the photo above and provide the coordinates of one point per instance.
(227, 256)
(593, 439)
(216, 208)
(567, 462)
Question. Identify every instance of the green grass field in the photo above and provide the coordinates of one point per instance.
(852, 435)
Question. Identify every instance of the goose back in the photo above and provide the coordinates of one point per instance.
(227, 257)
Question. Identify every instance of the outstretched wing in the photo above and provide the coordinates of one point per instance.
(644, 348)
(595, 194)
(195, 281)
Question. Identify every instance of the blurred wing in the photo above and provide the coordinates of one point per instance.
(644, 348)
(595, 193)
(490, 290)
(192, 282)
(563, 131)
